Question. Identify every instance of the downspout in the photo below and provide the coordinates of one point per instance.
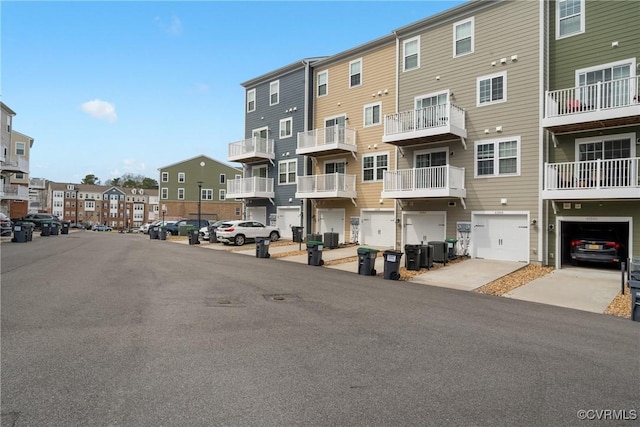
(395, 201)
(542, 235)
(305, 203)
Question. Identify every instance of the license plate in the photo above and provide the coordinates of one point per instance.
(594, 247)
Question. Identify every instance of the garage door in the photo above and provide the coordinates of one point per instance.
(257, 213)
(500, 236)
(424, 227)
(287, 217)
(331, 220)
(378, 228)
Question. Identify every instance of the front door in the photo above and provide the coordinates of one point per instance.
(334, 130)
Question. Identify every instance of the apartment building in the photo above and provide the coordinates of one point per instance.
(37, 195)
(14, 166)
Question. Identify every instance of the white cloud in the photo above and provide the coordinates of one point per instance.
(173, 27)
(100, 110)
(129, 166)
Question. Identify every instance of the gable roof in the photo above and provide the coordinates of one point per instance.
(201, 156)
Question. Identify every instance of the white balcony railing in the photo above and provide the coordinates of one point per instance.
(19, 192)
(4, 149)
(592, 98)
(438, 119)
(593, 179)
(327, 139)
(335, 185)
(437, 181)
(16, 163)
(251, 149)
(254, 187)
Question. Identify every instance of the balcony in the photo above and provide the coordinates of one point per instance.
(4, 149)
(329, 186)
(15, 164)
(596, 106)
(433, 182)
(326, 141)
(252, 150)
(594, 179)
(14, 192)
(431, 124)
(250, 188)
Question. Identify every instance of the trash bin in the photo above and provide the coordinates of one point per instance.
(367, 261)
(29, 227)
(426, 257)
(45, 228)
(391, 264)
(65, 228)
(213, 238)
(413, 257)
(331, 240)
(262, 247)
(297, 233)
(184, 229)
(55, 228)
(19, 234)
(440, 253)
(162, 233)
(153, 232)
(193, 236)
(314, 253)
(634, 288)
(451, 247)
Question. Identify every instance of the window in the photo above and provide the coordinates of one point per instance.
(605, 147)
(286, 127)
(616, 89)
(238, 211)
(323, 83)
(411, 52)
(180, 193)
(497, 158)
(222, 194)
(180, 176)
(274, 92)
(223, 178)
(19, 175)
(287, 171)
(372, 114)
(335, 166)
(463, 37)
(207, 194)
(569, 18)
(238, 176)
(355, 73)
(373, 167)
(20, 148)
(492, 89)
(251, 100)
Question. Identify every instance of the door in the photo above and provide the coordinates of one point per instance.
(378, 228)
(334, 130)
(424, 227)
(500, 236)
(257, 213)
(430, 178)
(331, 221)
(431, 110)
(287, 217)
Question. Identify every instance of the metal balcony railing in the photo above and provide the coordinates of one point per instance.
(250, 187)
(252, 148)
(444, 115)
(593, 174)
(327, 138)
(327, 185)
(436, 181)
(11, 191)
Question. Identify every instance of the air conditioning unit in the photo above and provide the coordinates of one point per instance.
(440, 253)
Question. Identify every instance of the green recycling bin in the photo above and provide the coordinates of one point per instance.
(367, 261)
(314, 253)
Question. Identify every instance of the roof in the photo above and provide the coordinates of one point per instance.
(7, 109)
(282, 70)
(358, 50)
(202, 156)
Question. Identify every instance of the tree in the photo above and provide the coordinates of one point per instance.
(114, 182)
(149, 183)
(91, 180)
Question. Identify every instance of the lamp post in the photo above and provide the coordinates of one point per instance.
(200, 194)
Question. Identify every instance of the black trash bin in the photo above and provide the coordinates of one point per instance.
(65, 228)
(426, 257)
(440, 251)
(213, 238)
(413, 257)
(634, 288)
(314, 253)
(193, 236)
(451, 247)
(29, 227)
(55, 228)
(153, 232)
(331, 240)
(262, 247)
(297, 233)
(392, 264)
(162, 233)
(20, 234)
(367, 261)
(45, 228)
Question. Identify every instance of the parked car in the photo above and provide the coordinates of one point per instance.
(37, 219)
(174, 228)
(205, 232)
(98, 227)
(5, 225)
(239, 231)
(598, 245)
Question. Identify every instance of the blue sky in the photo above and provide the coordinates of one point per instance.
(109, 88)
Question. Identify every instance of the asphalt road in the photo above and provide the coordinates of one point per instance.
(105, 329)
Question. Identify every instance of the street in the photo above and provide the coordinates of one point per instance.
(102, 329)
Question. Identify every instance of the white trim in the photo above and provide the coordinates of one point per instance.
(364, 114)
(425, 213)
(361, 68)
(404, 57)
(473, 38)
(325, 72)
(502, 74)
(474, 214)
(275, 83)
(370, 210)
(295, 170)
(631, 62)
(496, 142)
(182, 177)
(338, 160)
(246, 100)
(180, 189)
(344, 221)
(430, 95)
(582, 20)
(375, 166)
(290, 120)
(416, 153)
(609, 137)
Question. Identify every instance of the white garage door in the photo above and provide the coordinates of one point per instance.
(500, 236)
(331, 221)
(287, 217)
(257, 213)
(424, 227)
(378, 228)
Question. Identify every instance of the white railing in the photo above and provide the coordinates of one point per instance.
(251, 146)
(329, 183)
(593, 174)
(4, 149)
(424, 118)
(331, 135)
(18, 163)
(433, 178)
(594, 97)
(253, 185)
(15, 191)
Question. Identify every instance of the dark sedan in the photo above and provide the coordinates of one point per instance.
(597, 245)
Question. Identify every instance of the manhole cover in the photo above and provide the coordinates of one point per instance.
(224, 302)
(282, 297)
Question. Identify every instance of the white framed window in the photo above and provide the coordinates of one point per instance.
(499, 157)
(223, 178)
(165, 177)
(238, 176)
(323, 83)
(181, 176)
(411, 54)
(206, 194)
(463, 32)
(251, 100)
(372, 114)
(606, 147)
(164, 193)
(430, 158)
(373, 166)
(569, 18)
(180, 193)
(616, 91)
(274, 92)
(492, 89)
(286, 128)
(19, 175)
(335, 166)
(222, 194)
(238, 211)
(355, 73)
(89, 204)
(287, 171)
(20, 148)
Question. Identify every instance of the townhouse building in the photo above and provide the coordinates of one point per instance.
(197, 187)
(353, 91)
(590, 177)
(14, 166)
(37, 195)
(277, 108)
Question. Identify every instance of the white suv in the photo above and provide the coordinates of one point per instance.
(239, 231)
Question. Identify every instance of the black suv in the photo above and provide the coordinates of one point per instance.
(37, 219)
(174, 228)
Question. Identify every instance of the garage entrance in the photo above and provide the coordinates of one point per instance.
(257, 213)
(331, 221)
(500, 235)
(423, 226)
(378, 228)
(286, 217)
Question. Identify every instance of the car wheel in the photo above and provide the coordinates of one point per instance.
(274, 236)
(239, 240)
